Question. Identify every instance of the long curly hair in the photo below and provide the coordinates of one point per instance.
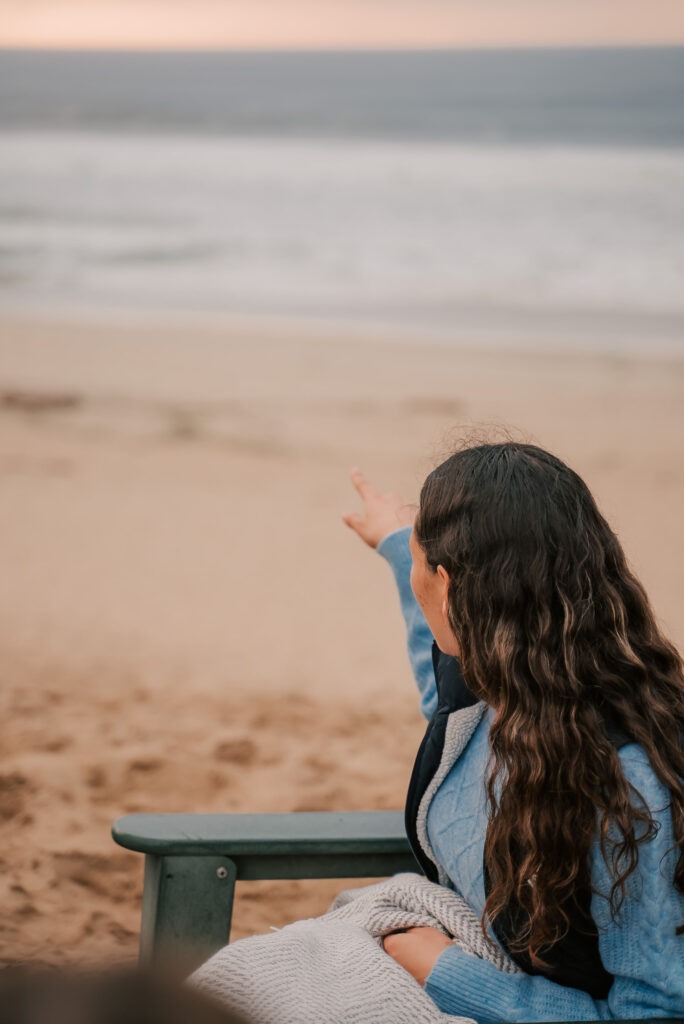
(557, 636)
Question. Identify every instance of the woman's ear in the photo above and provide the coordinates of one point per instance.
(444, 581)
(447, 640)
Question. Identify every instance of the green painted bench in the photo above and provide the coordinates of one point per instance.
(192, 862)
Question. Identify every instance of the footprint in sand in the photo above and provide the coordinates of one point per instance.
(99, 922)
(39, 401)
(109, 876)
(14, 790)
(95, 777)
(145, 765)
(55, 745)
(320, 766)
(237, 751)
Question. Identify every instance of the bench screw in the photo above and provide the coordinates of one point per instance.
(221, 873)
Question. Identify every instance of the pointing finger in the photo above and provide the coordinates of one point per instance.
(361, 483)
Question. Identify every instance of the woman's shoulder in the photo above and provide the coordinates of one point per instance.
(634, 758)
(641, 774)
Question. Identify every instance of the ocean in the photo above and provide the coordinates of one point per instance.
(513, 197)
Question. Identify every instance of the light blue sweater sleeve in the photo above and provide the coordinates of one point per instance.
(641, 948)
(395, 549)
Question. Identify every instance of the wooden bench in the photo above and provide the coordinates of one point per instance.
(193, 861)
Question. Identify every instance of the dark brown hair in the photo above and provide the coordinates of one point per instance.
(557, 636)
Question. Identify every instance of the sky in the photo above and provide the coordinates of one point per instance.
(331, 24)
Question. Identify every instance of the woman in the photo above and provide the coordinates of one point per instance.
(562, 820)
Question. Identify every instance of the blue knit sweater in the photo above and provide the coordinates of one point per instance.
(641, 949)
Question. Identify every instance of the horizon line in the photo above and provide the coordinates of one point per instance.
(366, 48)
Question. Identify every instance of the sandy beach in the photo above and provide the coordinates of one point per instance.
(186, 624)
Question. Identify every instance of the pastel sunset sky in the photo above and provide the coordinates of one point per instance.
(314, 24)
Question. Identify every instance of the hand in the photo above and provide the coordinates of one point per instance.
(417, 950)
(382, 513)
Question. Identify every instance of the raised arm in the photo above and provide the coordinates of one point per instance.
(385, 525)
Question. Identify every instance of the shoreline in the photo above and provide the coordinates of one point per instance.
(526, 339)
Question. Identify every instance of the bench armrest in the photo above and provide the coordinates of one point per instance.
(192, 862)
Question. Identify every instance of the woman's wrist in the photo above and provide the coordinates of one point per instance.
(391, 538)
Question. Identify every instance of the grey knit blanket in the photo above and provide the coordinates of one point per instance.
(333, 969)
